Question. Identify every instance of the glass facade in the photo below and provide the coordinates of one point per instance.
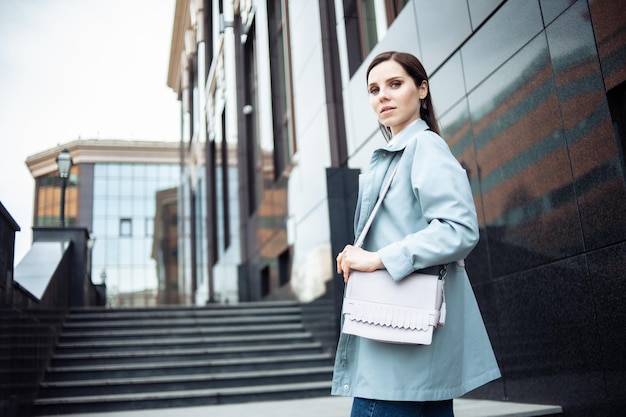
(124, 199)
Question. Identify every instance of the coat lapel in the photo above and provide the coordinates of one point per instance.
(371, 183)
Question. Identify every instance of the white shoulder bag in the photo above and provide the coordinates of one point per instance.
(405, 311)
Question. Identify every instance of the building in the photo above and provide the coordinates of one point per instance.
(113, 191)
(531, 97)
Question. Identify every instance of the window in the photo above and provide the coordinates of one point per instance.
(225, 187)
(366, 10)
(149, 227)
(124, 212)
(280, 71)
(208, 35)
(48, 199)
(253, 157)
(394, 7)
(284, 267)
(212, 199)
(366, 22)
(265, 281)
(126, 227)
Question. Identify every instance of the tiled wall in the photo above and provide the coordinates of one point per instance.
(521, 90)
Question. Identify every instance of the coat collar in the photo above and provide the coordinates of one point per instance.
(404, 137)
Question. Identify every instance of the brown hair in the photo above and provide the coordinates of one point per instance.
(416, 70)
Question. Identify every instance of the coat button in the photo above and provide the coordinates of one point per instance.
(346, 387)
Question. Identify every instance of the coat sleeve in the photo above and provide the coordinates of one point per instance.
(442, 188)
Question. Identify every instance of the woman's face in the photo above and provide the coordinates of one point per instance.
(394, 96)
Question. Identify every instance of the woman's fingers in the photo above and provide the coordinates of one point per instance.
(339, 261)
(343, 261)
(345, 268)
(341, 257)
(352, 257)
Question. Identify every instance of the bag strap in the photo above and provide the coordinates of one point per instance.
(370, 219)
(442, 269)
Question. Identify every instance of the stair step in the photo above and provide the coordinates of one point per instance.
(191, 309)
(180, 398)
(203, 313)
(117, 370)
(181, 382)
(179, 332)
(177, 322)
(124, 359)
(154, 343)
(172, 354)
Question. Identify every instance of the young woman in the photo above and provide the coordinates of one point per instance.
(426, 219)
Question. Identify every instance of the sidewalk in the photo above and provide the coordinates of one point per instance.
(328, 407)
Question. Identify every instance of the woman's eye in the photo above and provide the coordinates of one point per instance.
(396, 84)
(374, 90)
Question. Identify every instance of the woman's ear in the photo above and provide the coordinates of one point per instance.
(423, 90)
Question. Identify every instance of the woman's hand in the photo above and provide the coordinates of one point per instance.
(353, 258)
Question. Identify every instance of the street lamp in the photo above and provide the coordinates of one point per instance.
(64, 162)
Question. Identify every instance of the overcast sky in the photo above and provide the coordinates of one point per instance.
(74, 69)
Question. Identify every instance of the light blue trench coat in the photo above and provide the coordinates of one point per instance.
(427, 218)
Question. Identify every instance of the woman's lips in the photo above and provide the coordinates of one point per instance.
(386, 109)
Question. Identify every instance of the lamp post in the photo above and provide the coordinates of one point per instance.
(64, 162)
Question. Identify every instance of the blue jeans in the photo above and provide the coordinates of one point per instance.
(362, 407)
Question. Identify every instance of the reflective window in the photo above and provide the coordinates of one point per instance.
(139, 171)
(126, 253)
(112, 227)
(152, 171)
(112, 205)
(126, 189)
(447, 85)
(48, 208)
(123, 223)
(114, 171)
(112, 187)
(139, 206)
(524, 167)
(480, 9)
(126, 227)
(456, 128)
(550, 9)
(139, 226)
(442, 27)
(149, 226)
(126, 171)
(99, 185)
(126, 207)
(608, 20)
(111, 254)
(516, 23)
(99, 226)
(593, 149)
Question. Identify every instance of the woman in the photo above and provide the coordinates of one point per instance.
(426, 219)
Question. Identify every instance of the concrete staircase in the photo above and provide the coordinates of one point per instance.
(109, 360)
